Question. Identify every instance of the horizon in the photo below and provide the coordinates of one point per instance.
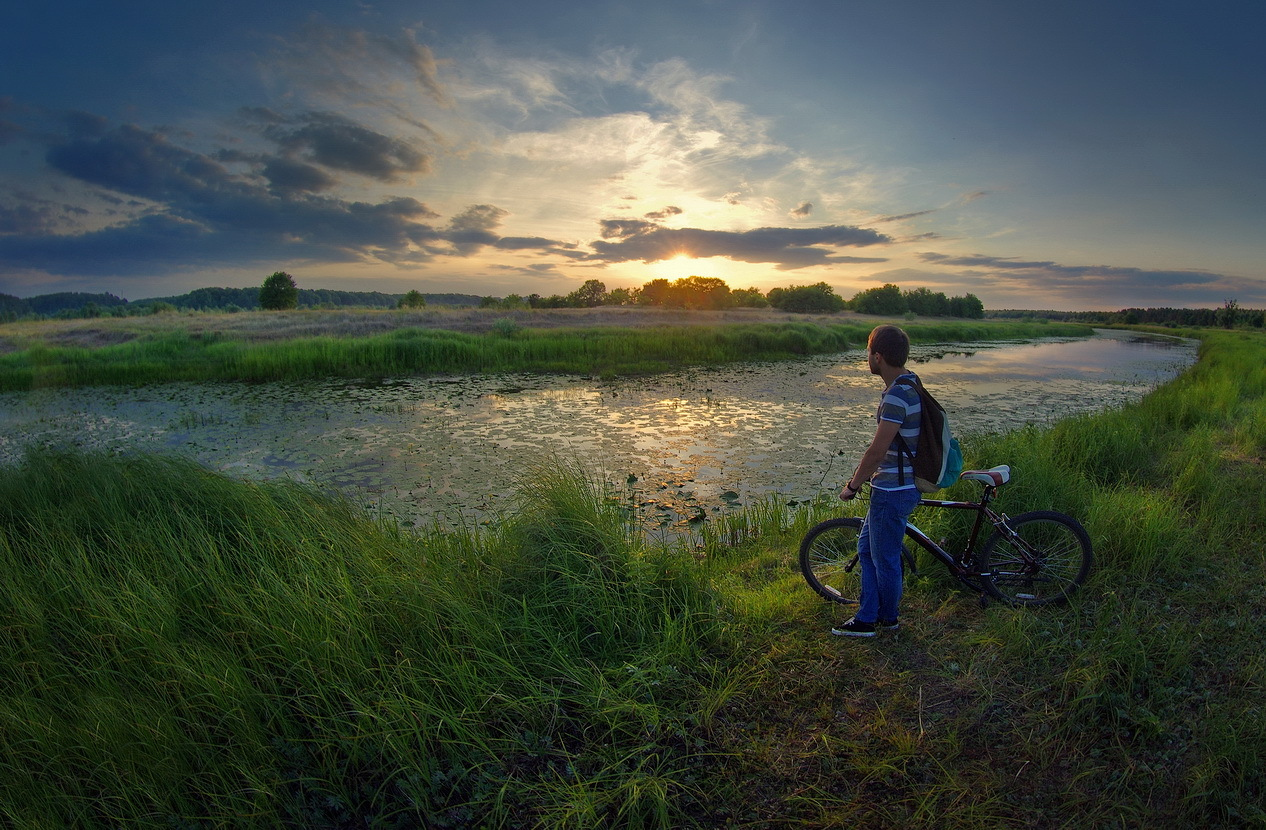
(1241, 308)
(1066, 158)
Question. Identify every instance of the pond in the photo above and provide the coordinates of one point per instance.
(450, 451)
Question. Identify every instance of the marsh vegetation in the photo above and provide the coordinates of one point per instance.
(184, 649)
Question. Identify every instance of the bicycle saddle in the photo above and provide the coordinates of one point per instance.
(997, 476)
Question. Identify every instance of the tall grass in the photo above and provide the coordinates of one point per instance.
(179, 355)
(179, 649)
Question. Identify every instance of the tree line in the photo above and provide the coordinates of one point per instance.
(279, 291)
(87, 305)
(1228, 316)
(712, 293)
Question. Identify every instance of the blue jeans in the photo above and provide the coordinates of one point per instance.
(879, 551)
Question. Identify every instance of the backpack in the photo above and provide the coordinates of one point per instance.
(938, 459)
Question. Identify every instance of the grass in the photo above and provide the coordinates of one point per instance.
(190, 349)
(178, 649)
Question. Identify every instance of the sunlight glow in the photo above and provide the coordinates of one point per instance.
(680, 266)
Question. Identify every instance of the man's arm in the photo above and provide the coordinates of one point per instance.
(885, 434)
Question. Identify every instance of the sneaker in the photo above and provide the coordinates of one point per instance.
(853, 628)
(888, 625)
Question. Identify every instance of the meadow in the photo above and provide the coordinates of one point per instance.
(265, 346)
(185, 650)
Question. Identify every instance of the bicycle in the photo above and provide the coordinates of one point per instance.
(1035, 558)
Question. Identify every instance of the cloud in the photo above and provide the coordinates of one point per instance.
(188, 209)
(787, 248)
(902, 216)
(338, 143)
(472, 229)
(288, 175)
(1073, 274)
(30, 214)
(1015, 282)
(353, 64)
(671, 210)
(805, 209)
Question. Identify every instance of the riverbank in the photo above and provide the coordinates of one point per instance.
(183, 649)
(261, 346)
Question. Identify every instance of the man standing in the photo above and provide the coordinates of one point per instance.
(893, 495)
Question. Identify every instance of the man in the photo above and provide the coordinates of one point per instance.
(893, 495)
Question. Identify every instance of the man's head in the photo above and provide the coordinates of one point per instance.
(890, 343)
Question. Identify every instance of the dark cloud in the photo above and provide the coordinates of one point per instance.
(26, 219)
(179, 209)
(623, 228)
(901, 216)
(338, 143)
(197, 212)
(787, 248)
(286, 175)
(803, 210)
(522, 243)
(478, 218)
(671, 210)
(1093, 286)
(86, 124)
(1052, 272)
(472, 229)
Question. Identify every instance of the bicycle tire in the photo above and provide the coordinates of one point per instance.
(828, 560)
(1064, 558)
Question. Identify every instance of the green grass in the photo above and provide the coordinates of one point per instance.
(176, 354)
(178, 649)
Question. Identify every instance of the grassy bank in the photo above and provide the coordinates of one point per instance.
(183, 650)
(179, 353)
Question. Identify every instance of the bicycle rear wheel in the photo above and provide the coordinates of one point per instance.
(1044, 561)
(828, 560)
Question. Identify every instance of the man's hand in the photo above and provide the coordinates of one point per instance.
(848, 493)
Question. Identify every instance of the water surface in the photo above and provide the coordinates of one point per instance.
(681, 446)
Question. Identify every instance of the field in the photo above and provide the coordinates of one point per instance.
(261, 346)
(184, 650)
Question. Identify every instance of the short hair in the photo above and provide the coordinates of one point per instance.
(890, 342)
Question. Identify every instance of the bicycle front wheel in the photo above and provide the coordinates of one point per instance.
(1043, 560)
(828, 560)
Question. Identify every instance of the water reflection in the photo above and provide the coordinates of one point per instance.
(680, 446)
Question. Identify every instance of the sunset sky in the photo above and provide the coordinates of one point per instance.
(1061, 155)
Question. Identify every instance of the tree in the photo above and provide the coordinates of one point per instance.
(589, 295)
(926, 302)
(279, 292)
(1229, 314)
(655, 292)
(622, 296)
(749, 298)
(819, 298)
(885, 300)
(413, 299)
(701, 293)
(968, 305)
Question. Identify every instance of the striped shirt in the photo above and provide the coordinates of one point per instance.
(900, 405)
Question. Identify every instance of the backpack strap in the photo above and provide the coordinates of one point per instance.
(903, 448)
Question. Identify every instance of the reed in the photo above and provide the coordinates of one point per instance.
(178, 354)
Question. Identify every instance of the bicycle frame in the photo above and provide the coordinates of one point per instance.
(959, 566)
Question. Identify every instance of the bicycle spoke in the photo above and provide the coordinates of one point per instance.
(1044, 561)
(828, 560)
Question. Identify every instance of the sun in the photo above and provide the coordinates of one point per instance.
(675, 268)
